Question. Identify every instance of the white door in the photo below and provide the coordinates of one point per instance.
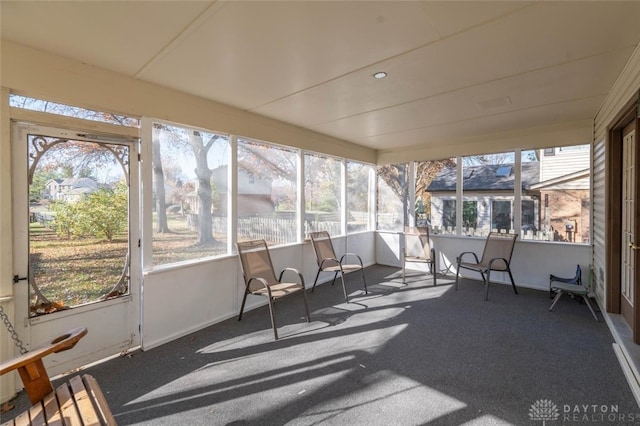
(627, 273)
(76, 255)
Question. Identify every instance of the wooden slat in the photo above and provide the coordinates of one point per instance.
(52, 410)
(23, 419)
(36, 413)
(67, 405)
(9, 423)
(99, 400)
(85, 406)
(79, 402)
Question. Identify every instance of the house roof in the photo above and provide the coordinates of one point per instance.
(494, 177)
(83, 182)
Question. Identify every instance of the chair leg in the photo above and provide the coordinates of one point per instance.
(306, 305)
(432, 266)
(586, 299)
(555, 300)
(244, 299)
(273, 319)
(334, 278)
(486, 283)
(513, 284)
(344, 286)
(316, 280)
(457, 274)
(404, 267)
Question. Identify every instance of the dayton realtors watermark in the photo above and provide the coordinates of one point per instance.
(545, 410)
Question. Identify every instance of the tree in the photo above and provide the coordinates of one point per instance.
(425, 174)
(105, 212)
(395, 177)
(200, 149)
(102, 213)
(158, 182)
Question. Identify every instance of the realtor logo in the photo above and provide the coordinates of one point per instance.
(543, 409)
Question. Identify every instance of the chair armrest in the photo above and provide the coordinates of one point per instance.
(490, 264)
(31, 368)
(295, 271)
(328, 259)
(344, 256)
(260, 280)
(58, 344)
(475, 256)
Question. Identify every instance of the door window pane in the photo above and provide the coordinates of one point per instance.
(78, 222)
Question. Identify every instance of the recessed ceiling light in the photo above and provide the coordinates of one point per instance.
(380, 75)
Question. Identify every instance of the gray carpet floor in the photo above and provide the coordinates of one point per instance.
(410, 354)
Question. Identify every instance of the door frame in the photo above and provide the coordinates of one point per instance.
(613, 240)
(32, 330)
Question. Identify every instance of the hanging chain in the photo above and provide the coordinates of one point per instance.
(12, 332)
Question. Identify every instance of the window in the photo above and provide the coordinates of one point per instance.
(449, 215)
(392, 197)
(469, 215)
(78, 222)
(436, 182)
(267, 192)
(322, 194)
(359, 192)
(189, 193)
(71, 111)
(556, 194)
(501, 216)
(488, 193)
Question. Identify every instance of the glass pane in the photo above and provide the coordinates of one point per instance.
(501, 216)
(556, 185)
(435, 195)
(392, 197)
(71, 111)
(78, 222)
(267, 196)
(189, 194)
(488, 192)
(359, 193)
(322, 194)
(470, 217)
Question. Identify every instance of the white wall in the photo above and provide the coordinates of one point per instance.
(531, 264)
(181, 300)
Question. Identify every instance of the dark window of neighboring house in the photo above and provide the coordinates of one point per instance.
(449, 213)
(528, 216)
(549, 152)
(470, 214)
(501, 215)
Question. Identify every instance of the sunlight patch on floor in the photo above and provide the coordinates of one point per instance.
(417, 401)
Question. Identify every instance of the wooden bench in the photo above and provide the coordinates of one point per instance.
(77, 402)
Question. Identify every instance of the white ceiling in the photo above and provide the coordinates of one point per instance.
(455, 69)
